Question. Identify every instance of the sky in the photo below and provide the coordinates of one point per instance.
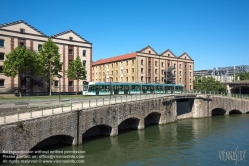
(214, 33)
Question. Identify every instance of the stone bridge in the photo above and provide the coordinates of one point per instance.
(76, 126)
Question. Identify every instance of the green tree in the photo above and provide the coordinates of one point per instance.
(21, 60)
(208, 84)
(76, 71)
(50, 58)
(242, 76)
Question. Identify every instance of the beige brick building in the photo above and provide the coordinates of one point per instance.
(145, 65)
(70, 45)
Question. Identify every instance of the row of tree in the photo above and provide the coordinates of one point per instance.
(242, 76)
(209, 84)
(45, 63)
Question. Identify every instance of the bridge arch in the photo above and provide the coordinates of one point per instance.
(97, 130)
(218, 111)
(52, 140)
(153, 117)
(235, 111)
(129, 123)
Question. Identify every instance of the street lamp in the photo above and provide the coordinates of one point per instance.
(59, 76)
(110, 86)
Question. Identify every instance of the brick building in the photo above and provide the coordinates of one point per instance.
(145, 65)
(70, 45)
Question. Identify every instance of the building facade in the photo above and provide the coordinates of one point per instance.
(145, 65)
(70, 46)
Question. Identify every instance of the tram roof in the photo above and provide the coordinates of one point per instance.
(130, 83)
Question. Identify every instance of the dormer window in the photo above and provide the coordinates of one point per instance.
(22, 30)
(70, 38)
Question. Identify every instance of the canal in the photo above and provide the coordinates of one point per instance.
(204, 141)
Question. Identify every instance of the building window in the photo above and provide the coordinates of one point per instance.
(84, 52)
(70, 51)
(149, 63)
(162, 71)
(132, 61)
(22, 30)
(1, 56)
(116, 79)
(174, 72)
(142, 70)
(1, 43)
(112, 65)
(162, 79)
(149, 71)
(71, 38)
(190, 74)
(22, 43)
(142, 79)
(190, 80)
(174, 65)
(132, 78)
(112, 72)
(155, 71)
(84, 63)
(162, 64)
(70, 83)
(56, 83)
(168, 54)
(142, 62)
(121, 71)
(1, 82)
(180, 66)
(126, 63)
(168, 64)
(127, 71)
(116, 64)
(1, 69)
(185, 66)
(180, 80)
(180, 73)
(190, 67)
(126, 79)
(116, 72)
(155, 63)
(132, 70)
(155, 79)
(149, 52)
(149, 81)
(190, 87)
(185, 73)
(39, 46)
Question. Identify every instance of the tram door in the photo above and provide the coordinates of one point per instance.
(116, 90)
(97, 90)
(126, 89)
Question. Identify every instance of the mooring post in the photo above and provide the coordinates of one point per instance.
(81, 104)
(62, 108)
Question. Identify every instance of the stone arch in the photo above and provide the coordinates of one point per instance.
(97, 130)
(235, 111)
(153, 117)
(129, 123)
(52, 140)
(218, 111)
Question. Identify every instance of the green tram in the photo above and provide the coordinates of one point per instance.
(107, 88)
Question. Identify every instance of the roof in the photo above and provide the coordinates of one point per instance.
(168, 50)
(21, 21)
(114, 59)
(68, 31)
(185, 54)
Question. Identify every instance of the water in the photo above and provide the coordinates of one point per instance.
(186, 142)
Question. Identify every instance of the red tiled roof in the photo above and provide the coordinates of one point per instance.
(114, 59)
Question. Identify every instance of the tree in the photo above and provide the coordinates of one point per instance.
(21, 60)
(242, 76)
(76, 71)
(209, 84)
(50, 58)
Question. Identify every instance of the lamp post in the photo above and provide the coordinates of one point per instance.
(110, 86)
(59, 76)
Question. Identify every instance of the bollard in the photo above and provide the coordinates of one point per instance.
(140, 96)
(62, 108)
(109, 101)
(121, 99)
(52, 110)
(81, 104)
(126, 98)
(71, 105)
(30, 113)
(115, 99)
(42, 111)
(18, 115)
(103, 101)
(136, 97)
(131, 97)
(5, 117)
(89, 103)
(96, 102)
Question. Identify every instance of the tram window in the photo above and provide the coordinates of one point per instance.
(90, 88)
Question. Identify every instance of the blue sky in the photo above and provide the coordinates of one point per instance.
(215, 33)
